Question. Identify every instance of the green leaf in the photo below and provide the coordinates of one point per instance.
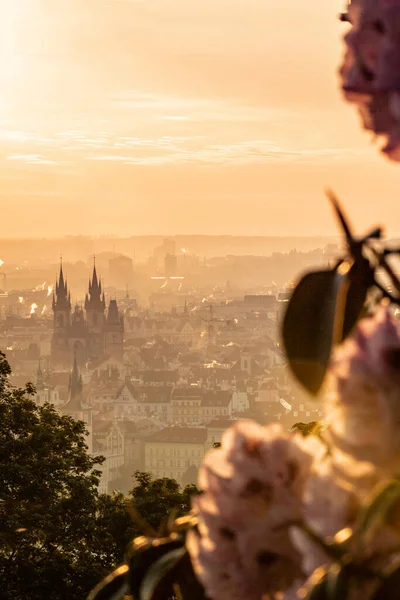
(373, 515)
(312, 324)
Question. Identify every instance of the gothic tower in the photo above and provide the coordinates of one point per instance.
(60, 351)
(95, 306)
(114, 331)
(75, 406)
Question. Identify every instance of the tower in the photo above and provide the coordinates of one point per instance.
(114, 331)
(39, 377)
(60, 351)
(75, 406)
(78, 337)
(95, 306)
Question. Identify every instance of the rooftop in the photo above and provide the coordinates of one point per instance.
(179, 435)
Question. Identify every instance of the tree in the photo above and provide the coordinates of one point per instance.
(48, 499)
(145, 510)
(58, 536)
(190, 475)
(154, 499)
(313, 428)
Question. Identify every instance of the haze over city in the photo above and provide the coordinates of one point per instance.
(174, 117)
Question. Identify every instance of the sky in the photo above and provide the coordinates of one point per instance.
(132, 117)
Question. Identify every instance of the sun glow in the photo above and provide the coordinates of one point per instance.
(13, 64)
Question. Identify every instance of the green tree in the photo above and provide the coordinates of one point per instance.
(48, 500)
(58, 536)
(145, 510)
(155, 499)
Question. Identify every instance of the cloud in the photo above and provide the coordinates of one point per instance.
(33, 159)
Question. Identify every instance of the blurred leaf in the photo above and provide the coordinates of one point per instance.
(389, 590)
(374, 513)
(173, 570)
(143, 553)
(335, 550)
(310, 326)
(158, 581)
(322, 311)
(316, 586)
(113, 587)
(337, 582)
(189, 585)
(355, 299)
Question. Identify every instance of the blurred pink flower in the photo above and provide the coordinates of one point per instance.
(252, 489)
(370, 71)
(363, 410)
(328, 506)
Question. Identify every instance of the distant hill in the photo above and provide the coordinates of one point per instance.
(75, 248)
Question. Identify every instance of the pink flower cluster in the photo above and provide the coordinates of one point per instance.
(256, 488)
(371, 68)
(363, 408)
(264, 486)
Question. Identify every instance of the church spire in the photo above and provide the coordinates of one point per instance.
(75, 388)
(94, 285)
(94, 299)
(61, 298)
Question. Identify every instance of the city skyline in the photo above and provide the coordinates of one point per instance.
(167, 117)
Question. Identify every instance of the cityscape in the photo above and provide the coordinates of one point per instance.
(157, 357)
(199, 300)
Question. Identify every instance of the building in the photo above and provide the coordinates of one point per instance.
(173, 450)
(88, 334)
(216, 429)
(45, 394)
(108, 441)
(214, 404)
(121, 272)
(186, 405)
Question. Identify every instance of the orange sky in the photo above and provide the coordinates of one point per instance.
(176, 116)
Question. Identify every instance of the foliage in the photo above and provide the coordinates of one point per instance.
(48, 496)
(58, 536)
(312, 428)
(325, 305)
(155, 568)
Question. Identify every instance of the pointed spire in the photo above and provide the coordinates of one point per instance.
(61, 298)
(61, 284)
(75, 388)
(94, 285)
(95, 282)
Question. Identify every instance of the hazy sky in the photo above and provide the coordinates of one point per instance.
(180, 116)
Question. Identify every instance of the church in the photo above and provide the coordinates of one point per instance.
(90, 334)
